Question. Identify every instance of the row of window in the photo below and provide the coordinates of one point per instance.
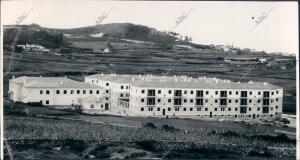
(199, 93)
(151, 101)
(242, 109)
(72, 91)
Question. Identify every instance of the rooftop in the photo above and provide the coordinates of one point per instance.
(154, 81)
(51, 82)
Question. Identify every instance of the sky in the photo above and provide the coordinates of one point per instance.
(207, 22)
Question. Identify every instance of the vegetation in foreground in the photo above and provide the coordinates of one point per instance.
(26, 134)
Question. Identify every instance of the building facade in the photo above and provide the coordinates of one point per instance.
(148, 95)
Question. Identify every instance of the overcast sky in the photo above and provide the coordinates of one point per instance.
(207, 22)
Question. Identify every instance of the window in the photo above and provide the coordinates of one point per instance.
(216, 109)
(78, 91)
(229, 101)
(142, 109)
(41, 91)
(143, 91)
(97, 92)
(222, 109)
(169, 109)
(243, 102)
(169, 100)
(206, 109)
(266, 102)
(199, 102)
(142, 100)
(265, 110)
(101, 105)
(170, 92)
(158, 100)
(185, 92)
(150, 109)
(184, 109)
(184, 100)
(229, 109)
(258, 101)
(91, 91)
(207, 92)
(266, 94)
(150, 101)
(106, 91)
(272, 93)
(243, 110)
(206, 100)
(177, 101)
(191, 109)
(271, 108)
(121, 95)
(250, 93)
(151, 92)
(258, 93)
(223, 102)
(159, 91)
(243, 93)
(122, 87)
(249, 108)
(277, 92)
(92, 106)
(191, 101)
(236, 101)
(158, 109)
(127, 87)
(237, 93)
(65, 91)
(198, 109)
(199, 93)
(176, 109)
(216, 92)
(84, 92)
(258, 109)
(223, 93)
(72, 91)
(47, 92)
(47, 101)
(236, 109)
(57, 92)
(107, 84)
(276, 107)
(230, 92)
(192, 92)
(216, 101)
(276, 99)
(177, 93)
(250, 101)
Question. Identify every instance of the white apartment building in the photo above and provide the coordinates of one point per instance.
(55, 91)
(148, 95)
(186, 96)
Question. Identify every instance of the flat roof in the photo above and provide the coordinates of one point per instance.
(155, 81)
(51, 82)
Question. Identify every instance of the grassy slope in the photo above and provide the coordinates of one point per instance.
(139, 58)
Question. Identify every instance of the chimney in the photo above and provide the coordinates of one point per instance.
(13, 77)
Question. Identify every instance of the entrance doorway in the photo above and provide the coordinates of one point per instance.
(210, 115)
(164, 111)
(253, 116)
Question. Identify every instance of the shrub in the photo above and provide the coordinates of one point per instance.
(150, 125)
(169, 128)
(284, 121)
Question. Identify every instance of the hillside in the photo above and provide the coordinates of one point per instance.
(133, 52)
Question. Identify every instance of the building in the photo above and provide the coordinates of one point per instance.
(244, 59)
(54, 91)
(158, 96)
(186, 96)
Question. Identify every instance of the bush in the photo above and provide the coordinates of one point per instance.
(284, 121)
(169, 128)
(150, 125)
